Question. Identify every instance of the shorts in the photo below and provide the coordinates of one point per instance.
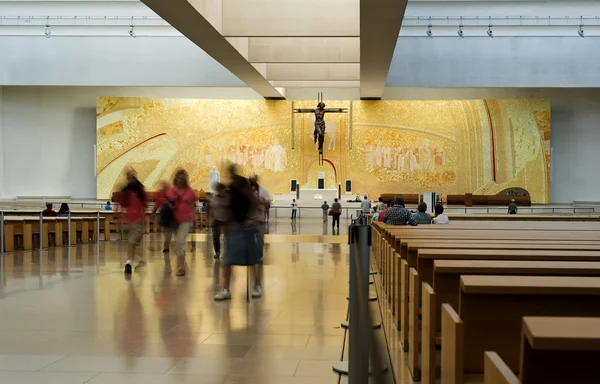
(135, 232)
(240, 247)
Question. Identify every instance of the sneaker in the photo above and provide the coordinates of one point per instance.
(223, 295)
(217, 255)
(140, 265)
(128, 268)
(257, 292)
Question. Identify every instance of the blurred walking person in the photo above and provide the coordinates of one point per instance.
(240, 238)
(165, 216)
(261, 204)
(219, 212)
(181, 197)
(134, 202)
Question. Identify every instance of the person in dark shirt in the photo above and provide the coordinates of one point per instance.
(64, 210)
(398, 215)
(512, 207)
(49, 212)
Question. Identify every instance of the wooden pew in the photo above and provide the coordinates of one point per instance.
(21, 230)
(553, 350)
(491, 311)
(496, 371)
(525, 217)
(386, 257)
(55, 231)
(560, 350)
(9, 234)
(446, 287)
(424, 269)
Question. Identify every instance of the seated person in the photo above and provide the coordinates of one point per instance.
(440, 218)
(108, 207)
(382, 213)
(64, 210)
(49, 212)
(512, 207)
(422, 217)
(398, 215)
(380, 205)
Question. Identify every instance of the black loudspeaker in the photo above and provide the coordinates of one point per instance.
(293, 185)
(321, 184)
(348, 186)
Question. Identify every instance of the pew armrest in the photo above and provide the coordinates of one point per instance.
(496, 371)
(428, 326)
(452, 346)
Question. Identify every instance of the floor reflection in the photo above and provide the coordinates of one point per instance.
(72, 313)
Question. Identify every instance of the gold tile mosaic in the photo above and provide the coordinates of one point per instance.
(448, 146)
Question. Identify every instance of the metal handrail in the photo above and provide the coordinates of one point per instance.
(363, 345)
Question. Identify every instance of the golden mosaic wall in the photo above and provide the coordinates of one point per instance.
(449, 146)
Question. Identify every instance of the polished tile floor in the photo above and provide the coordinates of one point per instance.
(69, 315)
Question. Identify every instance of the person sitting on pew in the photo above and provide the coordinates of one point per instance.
(398, 215)
(512, 207)
(422, 217)
(108, 207)
(64, 210)
(382, 213)
(440, 218)
(49, 212)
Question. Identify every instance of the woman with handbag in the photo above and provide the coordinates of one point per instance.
(183, 201)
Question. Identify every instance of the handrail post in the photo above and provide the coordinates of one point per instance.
(69, 230)
(98, 227)
(41, 231)
(358, 346)
(1, 232)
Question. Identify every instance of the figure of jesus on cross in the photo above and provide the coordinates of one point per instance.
(319, 112)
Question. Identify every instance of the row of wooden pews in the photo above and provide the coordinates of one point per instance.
(22, 229)
(468, 285)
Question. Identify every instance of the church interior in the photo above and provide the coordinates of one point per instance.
(299, 191)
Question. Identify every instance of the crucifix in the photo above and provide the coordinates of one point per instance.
(319, 112)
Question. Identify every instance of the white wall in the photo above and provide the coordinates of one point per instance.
(500, 62)
(50, 133)
(109, 61)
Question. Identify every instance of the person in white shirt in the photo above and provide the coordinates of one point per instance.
(440, 218)
(366, 205)
(294, 209)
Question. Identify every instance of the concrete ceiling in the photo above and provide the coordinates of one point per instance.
(273, 44)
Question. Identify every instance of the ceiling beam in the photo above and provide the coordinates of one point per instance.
(380, 22)
(186, 19)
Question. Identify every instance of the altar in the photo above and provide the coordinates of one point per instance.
(309, 195)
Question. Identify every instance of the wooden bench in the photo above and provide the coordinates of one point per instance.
(388, 259)
(10, 223)
(446, 287)
(553, 350)
(521, 217)
(491, 311)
